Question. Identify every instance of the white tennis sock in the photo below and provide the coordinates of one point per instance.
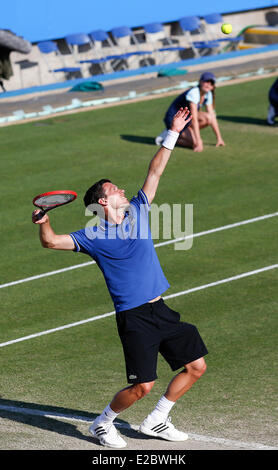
(108, 415)
(162, 409)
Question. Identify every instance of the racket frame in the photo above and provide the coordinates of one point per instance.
(42, 212)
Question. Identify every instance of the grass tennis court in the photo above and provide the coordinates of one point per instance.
(78, 369)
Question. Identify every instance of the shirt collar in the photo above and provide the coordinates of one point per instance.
(105, 224)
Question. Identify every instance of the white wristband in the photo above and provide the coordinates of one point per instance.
(170, 140)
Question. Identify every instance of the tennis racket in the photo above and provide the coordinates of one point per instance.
(48, 201)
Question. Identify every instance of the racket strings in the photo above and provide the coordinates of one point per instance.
(53, 200)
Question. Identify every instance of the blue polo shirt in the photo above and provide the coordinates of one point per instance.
(126, 255)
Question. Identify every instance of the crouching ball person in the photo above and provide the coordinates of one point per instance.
(195, 98)
(122, 247)
(273, 103)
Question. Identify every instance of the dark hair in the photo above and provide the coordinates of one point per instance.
(95, 192)
(213, 95)
(212, 91)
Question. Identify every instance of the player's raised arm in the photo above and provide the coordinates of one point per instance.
(48, 238)
(160, 160)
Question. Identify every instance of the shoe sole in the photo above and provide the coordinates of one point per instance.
(149, 432)
(106, 444)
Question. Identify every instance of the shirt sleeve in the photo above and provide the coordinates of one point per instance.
(193, 95)
(141, 200)
(80, 242)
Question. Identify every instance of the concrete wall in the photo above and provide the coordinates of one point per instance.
(32, 70)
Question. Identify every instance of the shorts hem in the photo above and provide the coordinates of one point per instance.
(141, 381)
(184, 363)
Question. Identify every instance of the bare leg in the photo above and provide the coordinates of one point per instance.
(183, 381)
(102, 427)
(157, 423)
(129, 395)
(204, 119)
(186, 138)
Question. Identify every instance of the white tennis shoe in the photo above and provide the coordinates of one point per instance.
(164, 429)
(107, 434)
(271, 115)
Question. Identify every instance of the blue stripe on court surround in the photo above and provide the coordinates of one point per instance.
(140, 71)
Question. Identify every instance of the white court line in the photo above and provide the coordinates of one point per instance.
(188, 291)
(157, 245)
(84, 419)
(53, 330)
(50, 273)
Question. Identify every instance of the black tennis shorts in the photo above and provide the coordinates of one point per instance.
(152, 328)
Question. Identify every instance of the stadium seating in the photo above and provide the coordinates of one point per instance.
(156, 37)
(75, 42)
(191, 25)
(127, 44)
(106, 50)
(92, 54)
(213, 23)
(80, 46)
(48, 48)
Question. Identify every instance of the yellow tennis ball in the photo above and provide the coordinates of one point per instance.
(226, 28)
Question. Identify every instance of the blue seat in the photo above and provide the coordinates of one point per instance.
(192, 24)
(100, 35)
(158, 30)
(213, 18)
(153, 28)
(102, 40)
(217, 19)
(126, 33)
(48, 47)
(155, 34)
(78, 39)
(122, 31)
(83, 39)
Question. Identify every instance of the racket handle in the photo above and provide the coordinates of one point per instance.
(40, 215)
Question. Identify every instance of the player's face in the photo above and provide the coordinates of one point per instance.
(115, 197)
(207, 86)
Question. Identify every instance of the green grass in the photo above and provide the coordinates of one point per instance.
(81, 368)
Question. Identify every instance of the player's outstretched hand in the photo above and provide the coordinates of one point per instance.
(181, 118)
(220, 143)
(41, 221)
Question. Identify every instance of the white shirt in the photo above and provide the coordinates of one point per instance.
(195, 96)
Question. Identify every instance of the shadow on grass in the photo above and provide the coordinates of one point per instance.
(150, 141)
(244, 120)
(138, 139)
(49, 418)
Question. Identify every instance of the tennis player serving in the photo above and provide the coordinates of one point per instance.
(122, 247)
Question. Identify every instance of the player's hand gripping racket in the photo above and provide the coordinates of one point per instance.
(51, 200)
